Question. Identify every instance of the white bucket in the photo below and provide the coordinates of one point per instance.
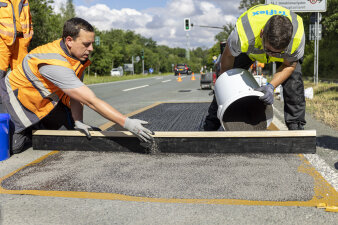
(239, 107)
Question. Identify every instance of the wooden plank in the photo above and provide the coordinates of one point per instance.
(180, 142)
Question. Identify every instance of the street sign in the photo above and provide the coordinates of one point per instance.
(314, 17)
(128, 67)
(137, 59)
(97, 40)
(151, 70)
(312, 33)
(301, 5)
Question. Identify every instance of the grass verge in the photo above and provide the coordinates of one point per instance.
(324, 105)
(105, 79)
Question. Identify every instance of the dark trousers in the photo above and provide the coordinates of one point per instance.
(58, 119)
(293, 94)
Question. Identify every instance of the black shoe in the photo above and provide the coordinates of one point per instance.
(295, 126)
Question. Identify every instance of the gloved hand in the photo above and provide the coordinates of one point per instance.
(85, 128)
(135, 126)
(267, 98)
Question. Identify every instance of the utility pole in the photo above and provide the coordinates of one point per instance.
(187, 28)
(142, 57)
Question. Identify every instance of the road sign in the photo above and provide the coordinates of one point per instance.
(312, 33)
(301, 5)
(151, 70)
(97, 40)
(137, 59)
(314, 17)
(128, 67)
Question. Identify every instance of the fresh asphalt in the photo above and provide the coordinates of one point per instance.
(129, 96)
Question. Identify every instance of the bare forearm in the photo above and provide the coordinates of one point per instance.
(77, 110)
(283, 73)
(227, 60)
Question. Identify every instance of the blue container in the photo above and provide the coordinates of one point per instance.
(4, 136)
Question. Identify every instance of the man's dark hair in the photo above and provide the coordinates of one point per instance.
(73, 26)
(278, 32)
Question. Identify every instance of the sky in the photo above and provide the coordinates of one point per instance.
(161, 20)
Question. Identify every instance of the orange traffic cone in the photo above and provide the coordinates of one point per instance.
(193, 76)
(179, 79)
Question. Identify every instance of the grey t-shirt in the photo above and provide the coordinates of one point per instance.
(234, 44)
(62, 77)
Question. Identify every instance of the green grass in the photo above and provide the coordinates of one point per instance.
(324, 105)
(105, 79)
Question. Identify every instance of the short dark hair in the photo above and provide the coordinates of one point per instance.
(73, 26)
(278, 32)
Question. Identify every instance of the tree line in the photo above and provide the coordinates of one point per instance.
(117, 47)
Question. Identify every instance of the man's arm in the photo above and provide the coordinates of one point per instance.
(227, 60)
(77, 109)
(283, 73)
(83, 95)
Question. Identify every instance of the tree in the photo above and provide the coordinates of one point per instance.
(223, 36)
(47, 25)
(247, 4)
(68, 11)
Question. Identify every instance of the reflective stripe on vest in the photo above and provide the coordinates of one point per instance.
(31, 95)
(8, 29)
(250, 24)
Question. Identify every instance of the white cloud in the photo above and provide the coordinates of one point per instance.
(165, 25)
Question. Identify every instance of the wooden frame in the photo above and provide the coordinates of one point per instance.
(179, 142)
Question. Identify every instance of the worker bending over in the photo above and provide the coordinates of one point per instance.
(46, 90)
(268, 33)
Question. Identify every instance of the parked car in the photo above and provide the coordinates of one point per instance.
(116, 71)
(182, 69)
(208, 80)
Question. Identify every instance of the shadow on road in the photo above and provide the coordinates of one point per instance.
(327, 142)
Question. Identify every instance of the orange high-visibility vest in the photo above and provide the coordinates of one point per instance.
(8, 31)
(31, 95)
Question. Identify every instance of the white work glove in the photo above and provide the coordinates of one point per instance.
(135, 126)
(84, 128)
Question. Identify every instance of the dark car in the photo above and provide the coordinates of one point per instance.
(182, 69)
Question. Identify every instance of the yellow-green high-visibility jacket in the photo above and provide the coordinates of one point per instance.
(250, 24)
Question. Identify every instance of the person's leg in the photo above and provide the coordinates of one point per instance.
(18, 52)
(59, 118)
(294, 100)
(5, 55)
(211, 122)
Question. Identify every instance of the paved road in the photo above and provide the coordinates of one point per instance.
(178, 189)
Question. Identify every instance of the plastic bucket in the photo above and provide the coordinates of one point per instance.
(4, 136)
(239, 107)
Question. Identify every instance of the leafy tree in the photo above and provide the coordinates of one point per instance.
(47, 25)
(246, 4)
(68, 11)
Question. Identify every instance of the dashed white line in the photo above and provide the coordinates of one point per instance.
(129, 89)
(165, 81)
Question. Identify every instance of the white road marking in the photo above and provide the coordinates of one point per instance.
(129, 89)
(165, 81)
(318, 163)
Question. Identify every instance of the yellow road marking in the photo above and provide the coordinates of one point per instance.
(325, 194)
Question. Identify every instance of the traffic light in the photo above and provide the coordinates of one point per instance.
(187, 24)
(142, 54)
